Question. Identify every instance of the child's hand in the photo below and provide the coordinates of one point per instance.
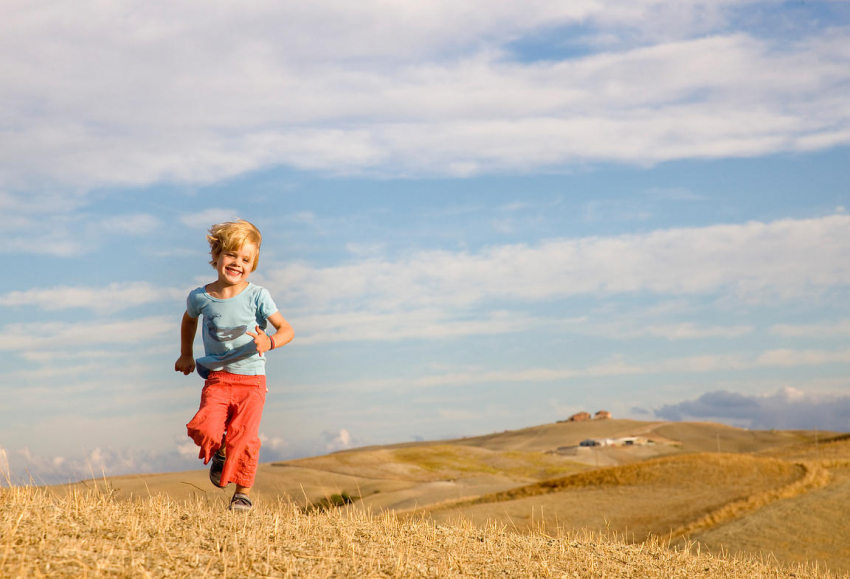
(261, 341)
(185, 364)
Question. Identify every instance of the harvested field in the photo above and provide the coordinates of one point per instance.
(739, 473)
(711, 437)
(651, 498)
(91, 534)
(810, 527)
(784, 499)
(425, 463)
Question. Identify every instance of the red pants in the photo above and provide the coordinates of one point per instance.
(231, 403)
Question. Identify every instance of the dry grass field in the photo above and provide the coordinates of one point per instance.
(811, 526)
(90, 533)
(434, 462)
(656, 497)
(778, 496)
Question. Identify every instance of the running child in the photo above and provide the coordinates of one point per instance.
(227, 425)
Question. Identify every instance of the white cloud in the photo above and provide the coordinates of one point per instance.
(337, 440)
(274, 443)
(400, 325)
(102, 460)
(109, 299)
(210, 216)
(792, 358)
(411, 88)
(51, 244)
(73, 354)
(440, 294)
(44, 223)
(680, 331)
(50, 231)
(431, 324)
(129, 224)
(302, 217)
(187, 448)
(504, 226)
(822, 330)
(609, 210)
(613, 367)
(675, 194)
(753, 261)
(366, 250)
(21, 337)
(177, 454)
(65, 373)
(688, 331)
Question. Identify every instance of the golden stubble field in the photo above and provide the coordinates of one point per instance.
(767, 498)
(91, 533)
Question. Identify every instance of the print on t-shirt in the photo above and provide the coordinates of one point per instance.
(222, 334)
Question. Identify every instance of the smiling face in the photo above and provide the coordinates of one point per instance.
(234, 266)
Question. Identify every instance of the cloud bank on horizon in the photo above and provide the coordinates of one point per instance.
(476, 217)
(786, 409)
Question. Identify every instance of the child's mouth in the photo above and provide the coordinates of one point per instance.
(232, 271)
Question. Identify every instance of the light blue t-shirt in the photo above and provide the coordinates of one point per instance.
(226, 345)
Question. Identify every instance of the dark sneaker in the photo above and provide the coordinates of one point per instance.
(216, 466)
(240, 502)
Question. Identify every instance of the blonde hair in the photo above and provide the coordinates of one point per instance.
(231, 236)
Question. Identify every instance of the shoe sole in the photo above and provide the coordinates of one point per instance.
(216, 469)
(237, 504)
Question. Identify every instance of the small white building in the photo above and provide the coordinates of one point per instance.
(629, 441)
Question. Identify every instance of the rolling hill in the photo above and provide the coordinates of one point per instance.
(729, 489)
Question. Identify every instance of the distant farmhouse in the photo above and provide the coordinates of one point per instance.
(625, 441)
(602, 443)
(582, 416)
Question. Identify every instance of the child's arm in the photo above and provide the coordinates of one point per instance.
(186, 362)
(284, 334)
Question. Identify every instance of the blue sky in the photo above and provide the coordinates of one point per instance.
(476, 217)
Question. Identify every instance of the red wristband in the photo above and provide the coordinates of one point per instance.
(271, 341)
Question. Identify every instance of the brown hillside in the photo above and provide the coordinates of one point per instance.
(710, 437)
(425, 463)
(692, 471)
(810, 527)
(832, 448)
(638, 500)
(551, 436)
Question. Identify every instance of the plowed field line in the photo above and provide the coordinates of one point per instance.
(815, 476)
